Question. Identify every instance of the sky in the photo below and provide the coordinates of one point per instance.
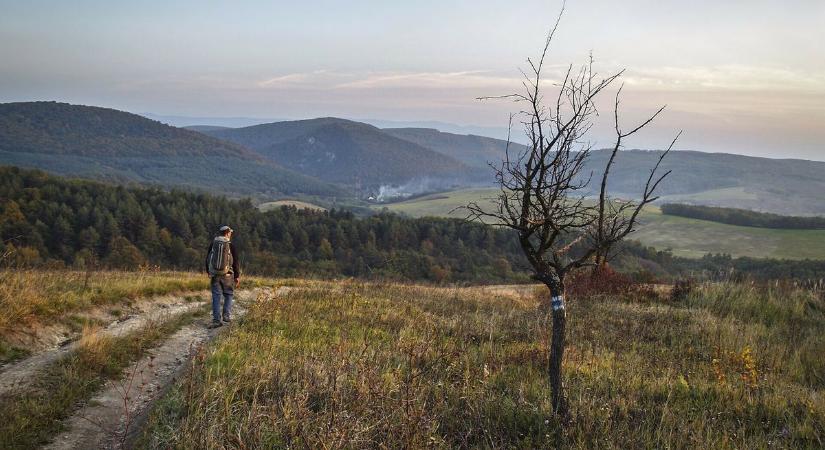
(738, 76)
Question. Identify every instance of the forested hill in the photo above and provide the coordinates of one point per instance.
(472, 150)
(54, 221)
(64, 129)
(781, 186)
(343, 151)
(114, 145)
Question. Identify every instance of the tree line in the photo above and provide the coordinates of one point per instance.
(743, 217)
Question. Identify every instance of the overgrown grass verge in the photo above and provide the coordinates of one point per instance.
(354, 365)
(29, 296)
(11, 353)
(34, 415)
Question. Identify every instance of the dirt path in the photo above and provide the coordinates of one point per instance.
(114, 417)
(18, 374)
(103, 422)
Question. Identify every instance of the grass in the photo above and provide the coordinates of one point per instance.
(30, 296)
(296, 203)
(694, 238)
(33, 416)
(10, 353)
(361, 365)
(685, 236)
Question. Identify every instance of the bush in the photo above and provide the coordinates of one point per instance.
(605, 281)
(681, 289)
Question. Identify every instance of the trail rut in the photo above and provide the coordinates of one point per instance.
(19, 374)
(114, 417)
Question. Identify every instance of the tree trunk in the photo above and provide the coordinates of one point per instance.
(557, 345)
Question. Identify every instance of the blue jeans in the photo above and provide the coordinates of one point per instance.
(222, 285)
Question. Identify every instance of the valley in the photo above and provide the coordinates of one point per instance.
(684, 236)
(412, 225)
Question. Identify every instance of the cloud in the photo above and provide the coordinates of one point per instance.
(326, 79)
(295, 79)
(730, 77)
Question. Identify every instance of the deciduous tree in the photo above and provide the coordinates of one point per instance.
(543, 189)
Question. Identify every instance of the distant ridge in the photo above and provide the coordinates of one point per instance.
(270, 160)
(781, 186)
(470, 149)
(108, 144)
(202, 128)
(341, 150)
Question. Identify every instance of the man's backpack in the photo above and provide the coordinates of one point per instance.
(220, 257)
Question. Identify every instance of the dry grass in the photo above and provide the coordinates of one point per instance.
(354, 365)
(34, 415)
(30, 296)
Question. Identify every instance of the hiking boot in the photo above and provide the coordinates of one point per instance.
(227, 319)
(214, 324)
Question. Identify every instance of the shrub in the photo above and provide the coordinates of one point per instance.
(605, 281)
(681, 289)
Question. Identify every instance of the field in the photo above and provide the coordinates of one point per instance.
(351, 364)
(69, 339)
(296, 203)
(684, 236)
(359, 365)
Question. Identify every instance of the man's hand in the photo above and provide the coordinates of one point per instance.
(237, 282)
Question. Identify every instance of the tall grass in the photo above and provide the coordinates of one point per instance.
(353, 365)
(32, 416)
(29, 296)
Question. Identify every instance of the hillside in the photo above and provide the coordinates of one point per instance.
(470, 149)
(47, 220)
(365, 365)
(359, 365)
(344, 151)
(684, 236)
(263, 136)
(113, 145)
(781, 186)
(281, 159)
(204, 128)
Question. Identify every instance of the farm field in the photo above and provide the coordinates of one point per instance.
(684, 236)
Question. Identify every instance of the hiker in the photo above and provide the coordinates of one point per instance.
(224, 273)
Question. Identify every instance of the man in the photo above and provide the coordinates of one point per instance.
(224, 273)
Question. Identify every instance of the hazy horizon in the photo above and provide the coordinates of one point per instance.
(740, 77)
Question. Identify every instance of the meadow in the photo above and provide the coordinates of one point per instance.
(684, 236)
(66, 334)
(39, 299)
(296, 203)
(351, 364)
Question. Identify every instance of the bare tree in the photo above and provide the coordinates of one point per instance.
(543, 189)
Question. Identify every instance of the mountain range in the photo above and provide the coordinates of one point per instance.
(332, 157)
